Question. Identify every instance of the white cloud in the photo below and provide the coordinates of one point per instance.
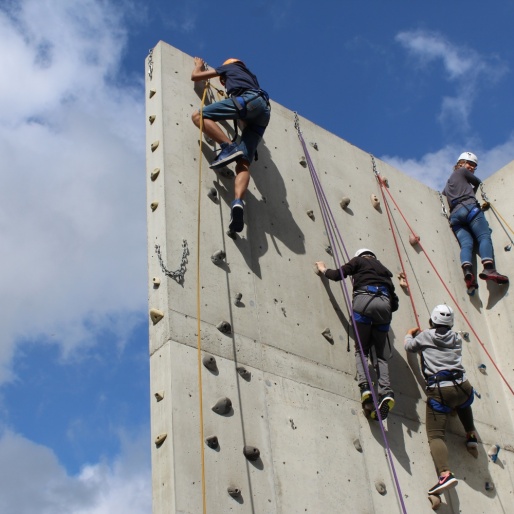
(72, 192)
(434, 168)
(464, 67)
(34, 481)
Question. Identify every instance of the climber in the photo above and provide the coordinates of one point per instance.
(247, 102)
(374, 301)
(447, 388)
(468, 222)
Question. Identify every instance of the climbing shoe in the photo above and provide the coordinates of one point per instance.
(492, 274)
(471, 283)
(444, 483)
(365, 394)
(385, 404)
(229, 153)
(471, 441)
(236, 216)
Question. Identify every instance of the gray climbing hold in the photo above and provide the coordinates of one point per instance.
(160, 439)
(358, 445)
(385, 181)
(151, 118)
(212, 442)
(315, 146)
(344, 203)
(327, 335)
(156, 315)
(310, 213)
(159, 396)
(375, 201)
(303, 162)
(237, 298)
(244, 372)
(155, 174)
(154, 205)
(154, 146)
(380, 486)
(222, 406)
(328, 249)
(235, 492)
(218, 256)
(251, 453)
(209, 362)
(489, 486)
(213, 193)
(507, 248)
(482, 368)
(151, 93)
(224, 327)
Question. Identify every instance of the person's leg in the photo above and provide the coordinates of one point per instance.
(364, 331)
(242, 178)
(210, 128)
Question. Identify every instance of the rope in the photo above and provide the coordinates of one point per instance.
(453, 298)
(496, 213)
(198, 303)
(332, 232)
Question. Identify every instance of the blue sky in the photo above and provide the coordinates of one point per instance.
(414, 83)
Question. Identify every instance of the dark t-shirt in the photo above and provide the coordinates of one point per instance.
(461, 185)
(238, 78)
(365, 272)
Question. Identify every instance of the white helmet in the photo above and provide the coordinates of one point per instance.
(468, 156)
(364, 251)
(442, 315)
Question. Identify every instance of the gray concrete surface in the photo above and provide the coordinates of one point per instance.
(300, 404)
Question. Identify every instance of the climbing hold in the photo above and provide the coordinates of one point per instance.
(493, 452)
(315, 146)
(224, 327)
(159, 395)
(358, 445)
(212, 194)
(435, 501)
(508, 248)
(218, 256)
(155, 174)
(485, 206)
(235, 492)
(212, 442)
(244, 373)
(328, 335)
(328, 249)
(477, 394)
(464, 335)
(209, 362)
(414, 240)
(251, 453)
(237, 298)
(385, 181)
(156, 281)
(482, 368)
(310, 214)
(222, 406)
(154, 205)
(489, 486)
(232, 234)
(151, 118)
(154, 146)
(380, 486)
(156, 315)
(303, 162)
(160, 439)
(151, 93)
(345, 202)
(403, 279)
(375, 201)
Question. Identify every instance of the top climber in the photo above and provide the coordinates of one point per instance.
(468, 221)
(247, 102)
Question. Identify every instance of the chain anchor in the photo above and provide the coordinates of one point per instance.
(177, 275)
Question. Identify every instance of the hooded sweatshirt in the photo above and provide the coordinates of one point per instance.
(441, 349)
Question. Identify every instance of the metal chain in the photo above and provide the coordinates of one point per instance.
(177, 275)
(375, 171)
(444, 212)
(150, 63)
(484, 196)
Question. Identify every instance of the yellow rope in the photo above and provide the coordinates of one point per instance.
(199, 341)
(500, 216)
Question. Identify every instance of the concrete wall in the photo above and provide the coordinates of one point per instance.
(300, 404)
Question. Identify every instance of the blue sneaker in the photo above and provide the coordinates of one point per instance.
(229, 153)
(237, 217)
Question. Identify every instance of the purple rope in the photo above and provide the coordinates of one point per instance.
(332, 232)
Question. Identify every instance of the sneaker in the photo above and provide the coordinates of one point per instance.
(471, 441)
(229, 152)
(365, 394)
(444, 483)
(492, 274)
(386, 403)
(471, 283)
(236, 217)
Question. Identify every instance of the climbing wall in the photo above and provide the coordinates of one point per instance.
(280, 430)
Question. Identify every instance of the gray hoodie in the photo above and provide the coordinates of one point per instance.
(440, 350)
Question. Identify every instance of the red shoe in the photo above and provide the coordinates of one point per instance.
(492, 274)
(471, 283)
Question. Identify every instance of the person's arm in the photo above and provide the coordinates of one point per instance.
(200, 73)
(331, 274)
(410, 343)
(472, 179)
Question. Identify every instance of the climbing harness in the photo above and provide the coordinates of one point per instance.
(177, 275)
(444, 284)
(338, 248)
(434, 381)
